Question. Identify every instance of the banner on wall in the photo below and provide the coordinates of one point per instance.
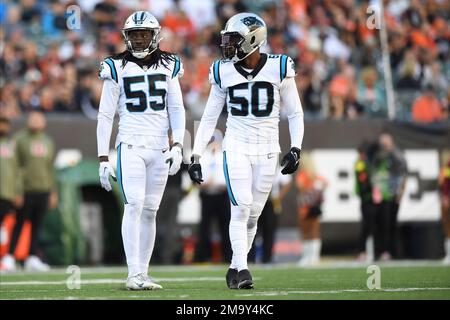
(341, 204)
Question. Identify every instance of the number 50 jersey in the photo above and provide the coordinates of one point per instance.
(145, 98)
(253, 99)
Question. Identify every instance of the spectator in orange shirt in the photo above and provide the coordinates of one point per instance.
(179, 22)
(342, 87)
(427, 108)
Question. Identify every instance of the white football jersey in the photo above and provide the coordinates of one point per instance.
(253, 102)
(143, 100)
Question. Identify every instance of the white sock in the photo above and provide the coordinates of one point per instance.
(447, 247)
(130, 236)
(252, 227)
(307, 252)
(238, 236)
(370, 250)
(315, 248)
(147, 238)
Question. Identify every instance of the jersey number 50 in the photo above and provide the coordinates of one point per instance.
(256, 87)
(140, 94)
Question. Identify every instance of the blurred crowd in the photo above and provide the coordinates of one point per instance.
(45, 66)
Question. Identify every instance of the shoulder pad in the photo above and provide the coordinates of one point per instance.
(108, 70)
(178, 69)
(214, 73)
(287, 67)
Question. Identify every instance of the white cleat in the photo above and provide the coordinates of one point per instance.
(152, 283)
(142, 282)
(305, 262)
(446, 260)
(8, 264)
(33, 263)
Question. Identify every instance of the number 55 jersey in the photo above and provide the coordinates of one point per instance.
(148, 100)
(253, 99)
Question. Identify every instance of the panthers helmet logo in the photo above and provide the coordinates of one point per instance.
(251, 21)
(139, 19)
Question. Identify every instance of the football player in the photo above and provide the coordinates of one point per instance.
(253, 85)
(142, 83)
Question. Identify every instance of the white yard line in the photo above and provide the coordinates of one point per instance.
(285, 293)
(124, 297)
(256, 294)
(325, 264)
(96, 298)
(106, 281)
(112, 270)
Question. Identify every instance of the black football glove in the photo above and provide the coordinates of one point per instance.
(291, 160)
(195, 169)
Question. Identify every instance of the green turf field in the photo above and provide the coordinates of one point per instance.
(398, 281)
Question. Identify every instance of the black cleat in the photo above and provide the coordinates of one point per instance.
(245, 279)
(232, 278)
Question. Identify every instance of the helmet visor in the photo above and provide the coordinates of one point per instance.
(231, 43)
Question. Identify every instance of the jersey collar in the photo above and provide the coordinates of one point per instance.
(251, 75)
(140, 62)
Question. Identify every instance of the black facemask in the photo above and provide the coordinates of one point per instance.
(231, 44)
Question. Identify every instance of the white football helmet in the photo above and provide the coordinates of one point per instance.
(243, 34)
(141, 20)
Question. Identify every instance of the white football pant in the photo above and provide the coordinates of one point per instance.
(249, 180)
(142, 176)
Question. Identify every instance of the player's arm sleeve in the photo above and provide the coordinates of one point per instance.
(178, 70)
(108, 105)
(214, 106)
(291, 101)
(176, 110)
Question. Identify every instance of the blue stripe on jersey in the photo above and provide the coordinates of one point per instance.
(227, 180)
(119, 171)
(176, 68)
(112, 67)
(217, 73)
(283, 67)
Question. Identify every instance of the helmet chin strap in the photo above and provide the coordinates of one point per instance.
(141, 54)
(156, 47)
(237, 59)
